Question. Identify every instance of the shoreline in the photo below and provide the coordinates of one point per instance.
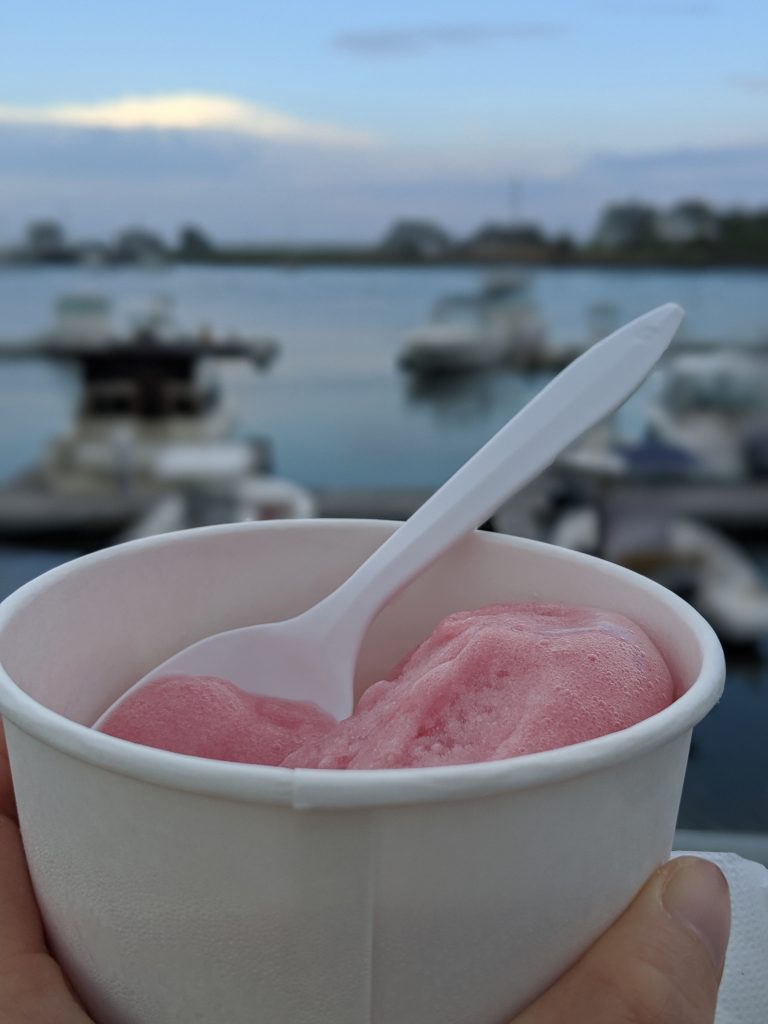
(310, 259)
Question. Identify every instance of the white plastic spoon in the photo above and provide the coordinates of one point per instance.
(313, 655)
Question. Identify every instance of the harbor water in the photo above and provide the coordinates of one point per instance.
(339, 413)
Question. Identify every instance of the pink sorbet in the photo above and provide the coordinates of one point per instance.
(487, 684)
(497, 682)
(210, 717)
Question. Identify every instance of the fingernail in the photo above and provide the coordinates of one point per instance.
(696, 894)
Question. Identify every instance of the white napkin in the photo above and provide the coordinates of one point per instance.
(743, 995)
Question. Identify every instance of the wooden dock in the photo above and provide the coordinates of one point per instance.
(521, 516)
(369, 502)
(30, 513)
(738, 506)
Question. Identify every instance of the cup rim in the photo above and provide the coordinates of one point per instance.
(315, 788)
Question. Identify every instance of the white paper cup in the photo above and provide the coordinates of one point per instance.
(181, 889)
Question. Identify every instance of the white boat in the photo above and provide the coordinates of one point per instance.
(706, 418)
(712, 405)
(711, 570)
(497, 325)
(150, 448)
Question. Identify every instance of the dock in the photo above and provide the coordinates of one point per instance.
(369, 502)
(31, 514)
(521, 516)
(734, 505)
(738, 505)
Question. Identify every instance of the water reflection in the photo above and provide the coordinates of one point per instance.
(20, 565)
(726, 784)
(452, 396)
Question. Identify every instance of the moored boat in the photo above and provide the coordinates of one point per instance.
(151, 443)
(498, 325)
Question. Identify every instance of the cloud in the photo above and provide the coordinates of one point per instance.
(387, 42)
(751, 83)
(191, 112)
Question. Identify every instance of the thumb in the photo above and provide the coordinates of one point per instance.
(660, 963)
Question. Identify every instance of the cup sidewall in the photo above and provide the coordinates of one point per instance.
(355, 892)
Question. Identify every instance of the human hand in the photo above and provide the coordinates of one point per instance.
(33, 989)
(660, 963)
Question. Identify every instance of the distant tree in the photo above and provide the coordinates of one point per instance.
(526, 234)
(416, 240)
(46, 240)
(689, 221)
(194, 243)
(563, 245)
(626, 225)
(505, 240)
(744, 236)
(137, 245)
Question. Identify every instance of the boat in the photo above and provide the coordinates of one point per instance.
(693, 559)
(495, 326)
(714, 406)
(151, 447)
(705, 420)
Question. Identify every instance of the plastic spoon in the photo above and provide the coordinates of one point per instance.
(313, 655)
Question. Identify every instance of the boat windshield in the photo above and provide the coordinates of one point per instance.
(727, 388)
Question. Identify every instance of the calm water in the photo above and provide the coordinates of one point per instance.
(340, 414)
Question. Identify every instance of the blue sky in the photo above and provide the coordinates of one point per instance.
(328, 119)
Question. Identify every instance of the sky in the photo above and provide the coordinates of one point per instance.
(328, 120)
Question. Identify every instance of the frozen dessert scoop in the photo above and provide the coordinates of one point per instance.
(497, 682)
(313, 655)
(488, 684)
(209, 717)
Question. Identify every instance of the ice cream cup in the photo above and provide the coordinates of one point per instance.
(179, 889)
